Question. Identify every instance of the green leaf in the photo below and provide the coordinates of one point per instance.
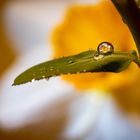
(88, 61)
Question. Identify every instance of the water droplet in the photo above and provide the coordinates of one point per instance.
(51, 68)
(84, 70)
(43, 76)
(105, 48)
(70, 62)
(47, 78)
(78, 73)
(41, 72)
(33, 80)
(97, 57)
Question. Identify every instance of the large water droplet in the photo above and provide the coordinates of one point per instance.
(105, 48)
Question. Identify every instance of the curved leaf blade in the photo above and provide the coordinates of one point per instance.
(88, 61)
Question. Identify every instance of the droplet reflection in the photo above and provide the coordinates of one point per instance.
(105, 48)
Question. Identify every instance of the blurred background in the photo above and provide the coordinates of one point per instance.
(54, 109)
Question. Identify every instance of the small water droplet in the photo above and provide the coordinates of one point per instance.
(47, 78)
(84, 70)
(33, 80)
(97, 57)
(41, 72)
(70, 62)
(51, 68)
(105, 48)
(43, 76)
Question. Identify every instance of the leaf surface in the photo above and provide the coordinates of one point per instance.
(88, 61)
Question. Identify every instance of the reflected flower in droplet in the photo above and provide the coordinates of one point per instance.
(105, 48)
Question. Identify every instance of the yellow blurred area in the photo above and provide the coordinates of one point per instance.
(84, 27)
(7, 54)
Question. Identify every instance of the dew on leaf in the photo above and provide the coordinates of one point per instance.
(97, 57)
(105, 48)
(43, 76)
(70, 61)
(84, 70)
(51, 68)
(33, 80)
